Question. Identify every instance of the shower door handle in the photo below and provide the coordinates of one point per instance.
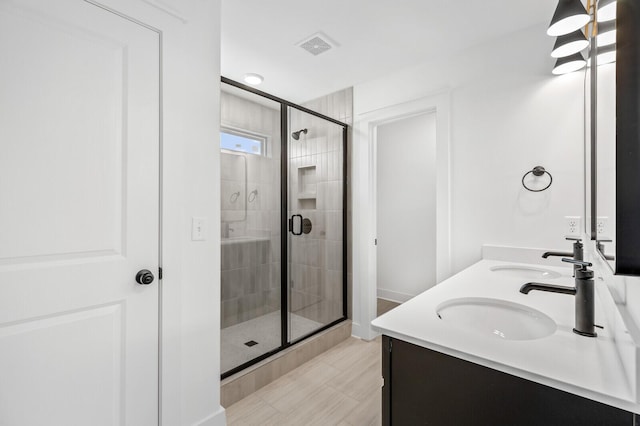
(291, 224)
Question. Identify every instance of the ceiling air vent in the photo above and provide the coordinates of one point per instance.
(317, 44)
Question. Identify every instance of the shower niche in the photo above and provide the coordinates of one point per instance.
(283, 225)
(307, 187)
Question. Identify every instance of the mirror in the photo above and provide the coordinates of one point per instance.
(616, 219)
(604, 216)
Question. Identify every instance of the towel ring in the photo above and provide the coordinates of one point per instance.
(537, 171)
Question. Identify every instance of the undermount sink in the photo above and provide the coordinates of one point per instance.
(497, 318)
(525, 272)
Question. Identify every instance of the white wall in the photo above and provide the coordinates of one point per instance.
(190, 289)
(406, 210)
(508, 114)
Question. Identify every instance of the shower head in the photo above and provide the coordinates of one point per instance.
(296, 135)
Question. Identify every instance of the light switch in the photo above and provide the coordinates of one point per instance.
(198, 229)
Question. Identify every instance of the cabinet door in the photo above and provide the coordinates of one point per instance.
(430, 388)
(79, 144)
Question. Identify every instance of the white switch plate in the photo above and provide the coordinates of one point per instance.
(572, 226)
(198, 229)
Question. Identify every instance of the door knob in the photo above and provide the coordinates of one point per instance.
(144, 277)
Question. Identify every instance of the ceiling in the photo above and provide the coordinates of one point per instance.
(374, 37)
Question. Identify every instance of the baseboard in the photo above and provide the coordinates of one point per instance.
(394, 296)
(218, 418)
(356, 330)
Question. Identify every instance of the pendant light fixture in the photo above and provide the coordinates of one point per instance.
(569, 64)
(606, 33)
(599, 36)
(606, 55)
(569, 44)
(569, 16)
(607, 10)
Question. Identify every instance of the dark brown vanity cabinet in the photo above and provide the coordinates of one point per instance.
(425, 387)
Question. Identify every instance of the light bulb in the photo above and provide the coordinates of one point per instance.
(569, 64)
(253, 79)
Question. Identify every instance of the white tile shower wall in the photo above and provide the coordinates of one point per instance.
(250, 269)
(245, 281)
(316, 258)
(233, 200)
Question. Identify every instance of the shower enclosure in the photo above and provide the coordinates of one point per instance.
(283, 224)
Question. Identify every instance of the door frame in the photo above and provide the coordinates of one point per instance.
(159, 281)
(285, 276)
(364, 203)
(190, 289)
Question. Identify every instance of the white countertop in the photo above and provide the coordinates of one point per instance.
(589, 367)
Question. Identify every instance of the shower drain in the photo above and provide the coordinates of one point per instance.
(251, 343)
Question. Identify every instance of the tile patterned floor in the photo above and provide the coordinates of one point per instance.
(265, 330)
(339, 387)
(385, 306)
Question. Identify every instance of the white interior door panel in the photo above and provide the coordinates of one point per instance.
(79, 184)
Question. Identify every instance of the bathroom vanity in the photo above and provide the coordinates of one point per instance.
(423, 386)
(474, 350)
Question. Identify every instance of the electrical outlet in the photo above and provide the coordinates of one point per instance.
(602, 227)
(572, 226)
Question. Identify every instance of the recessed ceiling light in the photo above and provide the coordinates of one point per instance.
(253, 79)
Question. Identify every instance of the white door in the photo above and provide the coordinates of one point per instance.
(79, 147)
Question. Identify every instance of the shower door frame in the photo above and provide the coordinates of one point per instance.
(284, 234)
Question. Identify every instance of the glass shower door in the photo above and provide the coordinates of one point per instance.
(250, 159)
(316, 212)
(283, 225)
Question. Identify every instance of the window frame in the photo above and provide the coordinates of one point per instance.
(247, 134)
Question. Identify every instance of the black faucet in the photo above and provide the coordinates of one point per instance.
(578, 252)
(583, 292)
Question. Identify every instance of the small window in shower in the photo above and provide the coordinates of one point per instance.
(239, 141)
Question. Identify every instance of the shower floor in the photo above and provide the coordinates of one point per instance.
(265, 331)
